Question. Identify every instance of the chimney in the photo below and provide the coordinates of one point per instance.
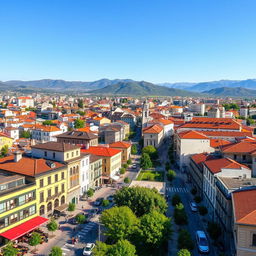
(17, 156)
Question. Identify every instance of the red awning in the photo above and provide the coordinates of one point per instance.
(23, 228)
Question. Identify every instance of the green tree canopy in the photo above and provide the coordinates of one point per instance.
(35, 239)
(101, 249)
(4, 151)
(80, 103)
(71, 207)
(56, 251)
(79, 123)
(119, 222)
(52, 225)
(47, 122)
(185, 241)
(151, 151)
(183, 252)
(25, 134)
(80, 218)
(140, 200)
(122, 248)
(154, 229)
(145, 161)
(134, 150)
(9, 250)
(171, 175)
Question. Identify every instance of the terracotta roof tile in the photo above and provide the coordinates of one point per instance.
(101, 151)
(120, 144)
(153, 129)
(192, 135)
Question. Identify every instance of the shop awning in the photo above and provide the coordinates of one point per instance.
(61, 208)
(115, 178)
(105, 177)
(23, 228)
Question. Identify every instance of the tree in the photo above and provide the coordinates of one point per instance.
(129, 161)
(185, 241)
(202, 210)
(127, 180)
(35, 239)
(9, 250)
(193, 191)
(90, 192)
(52, 225)
(151, 151)
(122, 170)
(47, 122)
(171, 175)
(4, 151)
(122, 248)
(101, 249)
(80, 103)
(71, 207)
(79, 123)
(214, 230)
(119, 222)
(80, 218)
(154, 229)
(134, 150)
(176, 199)
(81, 113)
(145, 161)
(25, 134)
(105, 203)
(56, 251)
(183, 252)
(197, 199)
(125, 166)
(140, 200)
(180, 216)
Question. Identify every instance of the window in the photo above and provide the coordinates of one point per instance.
(41, 197)
(62, 176)
(41, 183)
(56, 177)
(67, 155)
(77, 152)
(72, 154)
(49, 192)
(70, 171)
(45, 153)
(53, 154)
(49, 180)
(63, 188)
(234, 157)
(56, 190)
(254, 240)
(244, 157)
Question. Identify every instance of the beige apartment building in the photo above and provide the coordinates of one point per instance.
(153, 135)
(125, 147)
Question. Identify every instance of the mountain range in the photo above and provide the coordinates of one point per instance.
(140, 88)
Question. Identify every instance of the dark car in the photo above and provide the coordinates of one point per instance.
(73, 221)
(110, 198)
(98, 201)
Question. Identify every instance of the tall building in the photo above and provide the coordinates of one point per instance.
(145, 114)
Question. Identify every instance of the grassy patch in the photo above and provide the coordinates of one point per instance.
(150, 175)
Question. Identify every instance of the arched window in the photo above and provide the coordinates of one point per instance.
(49, 207)
(42, 210)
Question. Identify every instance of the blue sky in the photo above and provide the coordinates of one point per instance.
(152, 40)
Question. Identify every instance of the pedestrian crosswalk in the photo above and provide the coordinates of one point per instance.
(176, 190)
(87, 228)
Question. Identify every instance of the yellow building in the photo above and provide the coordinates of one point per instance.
(125, 147)
(5, 140)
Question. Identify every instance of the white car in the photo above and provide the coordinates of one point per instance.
(193, 206)
(202, 242)
(88, 249)
(134, 166)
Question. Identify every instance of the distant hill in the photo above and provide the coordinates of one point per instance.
(232, 92)
(65, 85)
(141, 89)
(178, 85)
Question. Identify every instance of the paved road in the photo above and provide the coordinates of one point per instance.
(194, 220)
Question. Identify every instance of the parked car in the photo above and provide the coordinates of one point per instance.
(88, 249)
(193, 206)
(202, 242)
(110, 198)
(134, 166)
(98, 201)
(73, 221)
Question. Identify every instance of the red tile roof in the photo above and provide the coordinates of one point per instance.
(218, 143)
(192, 135)
(120, 144)
(27, 165)
(226, 134)
(155, 128)
(101, 151)
(202, 157)
(216, 165)
(245, 147)
(244, 204)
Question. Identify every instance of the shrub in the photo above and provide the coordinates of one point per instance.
(90, 192)
(167, 166)
(176, 199)
(129, 161)
(185, 241)
(122, 170)
(180, 216)
(198, 199)
(125, 166)
(171, 175)
(127, 180)
(105, 203)
(80, 218)
(52, 225)
(183, 252)
(202, 210)
(56, 251)
(71, 207)
(193, 191)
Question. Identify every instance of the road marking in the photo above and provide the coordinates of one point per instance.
(69, 245)
(176, 189)
(65, 249)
